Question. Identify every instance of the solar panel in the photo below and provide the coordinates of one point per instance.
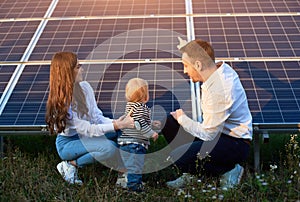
(118, 8)
(244, 6)
(5, 73)
(15, 37)
(111, 34)
(23, 8)
(258, 37)
(118, 39)
(27, 103)
(167, 86)
(272, 90)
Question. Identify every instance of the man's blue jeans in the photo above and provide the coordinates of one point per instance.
(196, 156)
(133, 156)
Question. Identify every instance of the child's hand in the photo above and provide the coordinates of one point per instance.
(155, 136)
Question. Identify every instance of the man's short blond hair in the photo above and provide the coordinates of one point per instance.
(199, 50)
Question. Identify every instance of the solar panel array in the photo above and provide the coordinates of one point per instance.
(120, 39)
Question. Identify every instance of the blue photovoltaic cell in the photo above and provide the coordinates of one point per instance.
(15, 38)
(5, 73)
(26, 106)
(259, 36)
(272, 89)
(245, 6)
(118, 8)
(23, 8)
(110, 39)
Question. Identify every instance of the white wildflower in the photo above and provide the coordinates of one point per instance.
(273, 167)
(180, 192)
(221, 197)
(224, 188)
(188, 196)
(209, 186)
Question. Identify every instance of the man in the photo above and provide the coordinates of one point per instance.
(222, 140)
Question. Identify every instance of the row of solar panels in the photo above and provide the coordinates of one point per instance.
(116, 40)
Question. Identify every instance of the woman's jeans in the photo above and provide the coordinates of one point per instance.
(86, 150)
(196, 156)
(133, 156)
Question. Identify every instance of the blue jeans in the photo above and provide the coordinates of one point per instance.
(133, 156)
(85, 150)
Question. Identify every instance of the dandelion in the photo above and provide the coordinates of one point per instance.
(214, 197)
(273, 167)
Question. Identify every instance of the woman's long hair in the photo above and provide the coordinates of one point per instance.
(62, 80)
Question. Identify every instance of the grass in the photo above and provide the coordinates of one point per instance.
(30, 175)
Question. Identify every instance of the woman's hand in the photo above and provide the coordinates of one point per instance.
(124, 122)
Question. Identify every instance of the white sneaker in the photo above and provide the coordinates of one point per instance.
(180, 182)
(122, 181)
(68, 172)
(232, 177)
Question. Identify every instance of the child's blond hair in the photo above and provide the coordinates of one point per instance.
(137, 90)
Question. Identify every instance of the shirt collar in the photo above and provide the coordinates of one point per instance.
(213, 77)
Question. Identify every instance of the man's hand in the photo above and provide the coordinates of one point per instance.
(177, 113)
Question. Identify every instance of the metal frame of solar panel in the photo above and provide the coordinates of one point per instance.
(119, 39)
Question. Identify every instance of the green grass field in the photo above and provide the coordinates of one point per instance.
(28, 173)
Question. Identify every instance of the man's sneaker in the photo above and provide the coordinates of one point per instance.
(68, 172)
(180, 182)
(232, 177)
(122, 181)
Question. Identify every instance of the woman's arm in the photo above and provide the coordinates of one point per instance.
(96, 115)
(88, 129)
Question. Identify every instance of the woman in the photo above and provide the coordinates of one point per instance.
(73, 114)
